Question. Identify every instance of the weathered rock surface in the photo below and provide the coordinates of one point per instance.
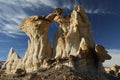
(12, 61)
(102, 53)
(74, 38)
(1, 63)
(39, 49)
(72, 30)
(38, 45)
(74, 46)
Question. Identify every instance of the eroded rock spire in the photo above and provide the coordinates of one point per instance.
(12, 61)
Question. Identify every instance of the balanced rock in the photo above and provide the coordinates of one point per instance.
(12, 61)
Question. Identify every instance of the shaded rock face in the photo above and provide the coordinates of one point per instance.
(1, 63)
(102, 53)
(74, 46)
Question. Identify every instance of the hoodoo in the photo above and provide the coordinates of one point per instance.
(74, 46)
(12, 61)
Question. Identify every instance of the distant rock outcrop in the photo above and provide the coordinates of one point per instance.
(114, 70)
(74, 46)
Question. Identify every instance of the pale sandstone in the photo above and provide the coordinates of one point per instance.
(73, 45)
(12, 61)
(72, 28)
(39, 49)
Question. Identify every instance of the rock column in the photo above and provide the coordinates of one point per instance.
(39, 49)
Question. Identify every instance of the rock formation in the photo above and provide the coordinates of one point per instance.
(60, 43)
(114, 70)
(72, 28)
(102, 53)
(74, 46)
(74, 38)
(38, 45)
(12, 61)
(39, 49)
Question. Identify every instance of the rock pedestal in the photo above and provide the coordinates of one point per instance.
(38, 45)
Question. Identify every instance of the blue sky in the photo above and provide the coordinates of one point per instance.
(104, 16)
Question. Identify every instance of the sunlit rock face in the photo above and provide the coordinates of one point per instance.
(12, 61)
(74, 46)
(72, 29)
(39, 49)
(38, 45)
(74, 38)
(60, 36)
